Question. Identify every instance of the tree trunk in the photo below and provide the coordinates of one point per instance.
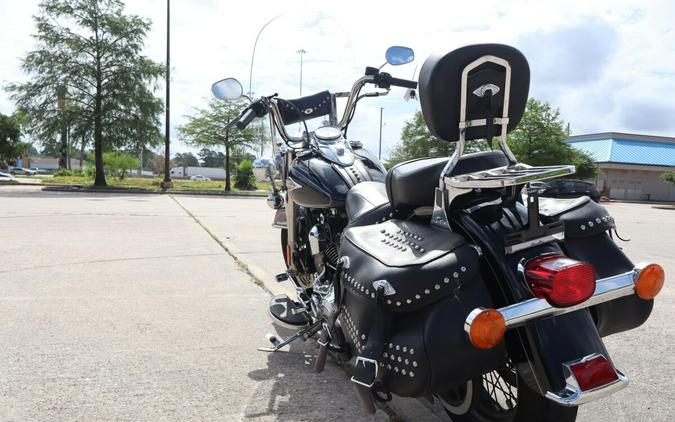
(63, 159)
(82, 152)
(98, 139)
(228, 188)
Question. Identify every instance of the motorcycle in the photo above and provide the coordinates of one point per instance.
(438, 278)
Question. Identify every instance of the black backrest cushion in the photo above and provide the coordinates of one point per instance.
(440, 89)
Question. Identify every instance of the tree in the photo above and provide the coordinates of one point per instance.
(417, 142)
(118, 163)
(207, 129)
(93, 50)
(668, 176)
(211, 158)
(186, 160)
(539, 140)
(11, 146)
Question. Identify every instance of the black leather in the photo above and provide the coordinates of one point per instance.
(587, 219)
(421, 262)
(305, 108)
(365, 197)
(440, 84)
(412, 184)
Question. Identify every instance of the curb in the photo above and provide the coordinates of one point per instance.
(81, 189)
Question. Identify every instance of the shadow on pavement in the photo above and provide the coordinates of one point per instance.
(290, 389)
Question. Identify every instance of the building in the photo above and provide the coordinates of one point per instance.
(47, 163)
(630, 165)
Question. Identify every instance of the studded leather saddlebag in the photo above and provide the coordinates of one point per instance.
(586, 238)
(431, 281)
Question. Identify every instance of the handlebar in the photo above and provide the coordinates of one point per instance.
(246, 118)
(403, 83)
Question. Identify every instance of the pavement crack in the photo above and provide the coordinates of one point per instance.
(104, 261)
(241, 265)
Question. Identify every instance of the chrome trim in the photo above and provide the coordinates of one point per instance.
(606, 289)
(351, 101)
(572, 395)
(534, 242)
(279, 221)
(388, 288)
(500, 177)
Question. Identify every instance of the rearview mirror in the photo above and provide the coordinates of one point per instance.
(227, 89)
(398, 55)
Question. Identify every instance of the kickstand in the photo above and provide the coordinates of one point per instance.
(305, 333)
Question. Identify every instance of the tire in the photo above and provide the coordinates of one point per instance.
(503, 396)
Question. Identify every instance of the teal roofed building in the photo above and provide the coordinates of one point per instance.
(630, 165)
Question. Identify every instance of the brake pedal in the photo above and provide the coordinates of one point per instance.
(288, 313)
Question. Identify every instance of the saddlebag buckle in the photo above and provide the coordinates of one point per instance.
(365, 372)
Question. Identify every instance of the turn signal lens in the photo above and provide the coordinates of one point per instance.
(487, 328)
(560, 280)
(594, 373)
(649, 281)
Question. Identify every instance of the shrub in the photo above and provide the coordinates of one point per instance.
(118, 163)
(64, 173)
(244, 178)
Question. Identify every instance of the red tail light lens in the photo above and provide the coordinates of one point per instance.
(560, 280)
(594, 373)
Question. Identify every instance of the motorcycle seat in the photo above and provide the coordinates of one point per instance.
(409, 187)
(411, 184)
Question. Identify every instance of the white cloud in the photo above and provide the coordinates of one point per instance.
(617, 56)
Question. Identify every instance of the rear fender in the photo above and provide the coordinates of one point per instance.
(539, 349)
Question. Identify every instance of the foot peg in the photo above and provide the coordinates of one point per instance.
(278, 343)
(281, 277)
(287, 313)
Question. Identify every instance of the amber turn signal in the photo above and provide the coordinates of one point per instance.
(649, 281)
(487, 328)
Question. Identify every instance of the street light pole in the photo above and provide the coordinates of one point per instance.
(301, 52)
(379, 155)
(167, 149)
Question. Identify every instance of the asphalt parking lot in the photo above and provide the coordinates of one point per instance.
(142, 307)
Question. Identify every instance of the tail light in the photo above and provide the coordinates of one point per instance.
(560, 280)
(593, 372)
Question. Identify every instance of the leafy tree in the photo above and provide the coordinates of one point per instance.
(207, 129)
(186, 160)
(539, 140)
(244, 178)
(157, 163)
(93, 49)
(211, 158)
(11, 146)
(668, 176)
(417, 142)
(118, 163)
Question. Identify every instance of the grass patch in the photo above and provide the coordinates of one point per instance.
(151, 184)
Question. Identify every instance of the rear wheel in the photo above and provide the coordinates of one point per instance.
(501, 395)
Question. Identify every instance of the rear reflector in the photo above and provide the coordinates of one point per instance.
(560, 280)
(594, 373)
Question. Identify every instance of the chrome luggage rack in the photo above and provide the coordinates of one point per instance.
(508, 176)
(500, 177)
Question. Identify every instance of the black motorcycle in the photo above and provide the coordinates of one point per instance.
(437, 277)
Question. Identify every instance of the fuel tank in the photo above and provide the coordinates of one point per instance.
(314, 182)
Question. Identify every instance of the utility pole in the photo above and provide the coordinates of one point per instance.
(61, 103)
(301, 52)
(166, 184)
(379, 155)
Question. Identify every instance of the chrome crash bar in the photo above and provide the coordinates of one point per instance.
(606, 289)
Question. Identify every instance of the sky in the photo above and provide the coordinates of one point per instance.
(607, 65)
